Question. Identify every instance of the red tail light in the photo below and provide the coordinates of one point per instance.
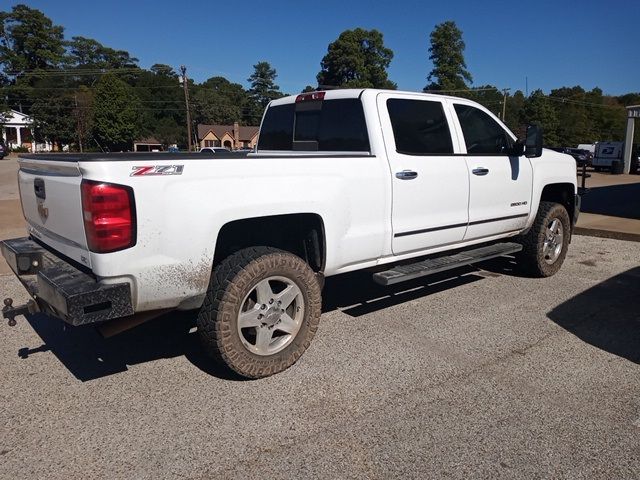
(109, 216)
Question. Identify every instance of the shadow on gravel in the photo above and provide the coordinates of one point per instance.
(357, 294)
(87, 355)
(606, 316)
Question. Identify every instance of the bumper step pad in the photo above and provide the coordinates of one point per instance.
(402, 273)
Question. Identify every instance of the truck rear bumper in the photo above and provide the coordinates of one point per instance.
(63, 290)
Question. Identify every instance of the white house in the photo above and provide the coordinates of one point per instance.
(17, 131)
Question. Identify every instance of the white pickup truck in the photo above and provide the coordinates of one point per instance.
(403, 184)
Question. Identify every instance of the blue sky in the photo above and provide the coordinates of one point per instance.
(552, 43)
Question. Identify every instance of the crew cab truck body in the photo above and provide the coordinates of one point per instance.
(341, 180)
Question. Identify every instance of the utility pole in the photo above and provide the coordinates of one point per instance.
(504, 102)
(185, 85)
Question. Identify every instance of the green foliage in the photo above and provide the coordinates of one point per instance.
(538, 110)
(20, 149)
(115, 114)
(357, 59)
(447, 55)
(218, 101)
(82, 114)
(86, 52)
(487, 95)
(263, 87)
(514, 113)
(52, 119)
(29, 40)
(162, 111)
(163, 70)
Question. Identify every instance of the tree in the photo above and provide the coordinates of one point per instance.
(82, 114)
(53, 120)
(575, 121)
(357, 59)
(515, 112)
(487, 95)
(538, 110)
(447, 54)
(263, 87)
(164, 70)
(162, 114)
(87, 52)
(219, 101)
(30, 46)
(29, 40)
(115, 113)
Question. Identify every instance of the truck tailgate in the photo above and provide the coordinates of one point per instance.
(52, 205)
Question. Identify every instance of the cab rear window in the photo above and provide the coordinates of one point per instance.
(328, 125)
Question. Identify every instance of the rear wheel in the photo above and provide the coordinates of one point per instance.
(545, 245)
(261, 311)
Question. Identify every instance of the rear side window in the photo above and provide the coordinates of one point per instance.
(482, 134)
(276, 132)
(419, 127)
(329, 125)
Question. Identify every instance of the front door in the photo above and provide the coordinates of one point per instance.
(430, 183)
(499, 183)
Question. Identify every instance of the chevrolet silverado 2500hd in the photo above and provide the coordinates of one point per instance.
(402, 184)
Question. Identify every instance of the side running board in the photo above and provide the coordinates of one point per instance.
(402, 273)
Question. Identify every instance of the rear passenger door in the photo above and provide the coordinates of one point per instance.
(499, 183)
(430, 184)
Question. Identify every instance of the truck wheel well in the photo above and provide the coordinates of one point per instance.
(562, 193)
(301, 234)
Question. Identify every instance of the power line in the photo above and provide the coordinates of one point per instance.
(77, 71)
(470, 90)
(579, 102)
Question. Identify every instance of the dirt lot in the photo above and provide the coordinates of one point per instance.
(478, 373)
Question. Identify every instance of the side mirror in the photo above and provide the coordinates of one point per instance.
(533, 142)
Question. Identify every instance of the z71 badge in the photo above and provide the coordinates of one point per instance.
(157, 170)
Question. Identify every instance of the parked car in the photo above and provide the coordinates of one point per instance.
(3, 149)
(400, 184)
(581, 156)
(214, 150)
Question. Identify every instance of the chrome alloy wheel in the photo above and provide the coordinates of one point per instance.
(553, 241)
(270, 315)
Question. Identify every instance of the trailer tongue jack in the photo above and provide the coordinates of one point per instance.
(10, 312)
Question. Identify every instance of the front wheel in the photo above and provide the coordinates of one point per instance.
(261, 311)
(545, 244)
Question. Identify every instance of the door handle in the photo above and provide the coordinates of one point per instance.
(406, 175)
(481, 171)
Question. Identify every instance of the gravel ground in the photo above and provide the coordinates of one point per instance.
(475, 374)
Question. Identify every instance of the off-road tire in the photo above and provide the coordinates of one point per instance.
(531, 259)
(230, 283)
